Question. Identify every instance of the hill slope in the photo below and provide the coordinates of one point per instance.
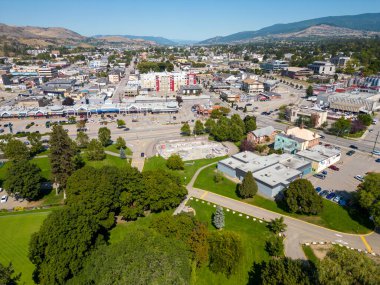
(362, 22)
(157, 40)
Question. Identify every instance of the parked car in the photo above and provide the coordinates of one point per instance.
(318, 189)
(327, 144)
(342, 202)
(377, 160)
(330, 196)
(376, 152)
(324, 172)
(350, 153)
(324, 193)
(359, 177)
(336, 199)
(322, 136)
(126, 129)
(4, 199)
(333, 167)
(353, 146)
(370, 130)
(320, 176)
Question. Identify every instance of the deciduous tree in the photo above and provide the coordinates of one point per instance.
(95, 150)
(248, 188)
(104, 136)
(175, 162)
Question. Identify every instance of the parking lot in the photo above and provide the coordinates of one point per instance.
(343, 181)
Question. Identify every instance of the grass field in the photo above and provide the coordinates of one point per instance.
(333, 216)
(310, 254)
(14, 240)
(253, 235)
(113, 148)
(158, 162)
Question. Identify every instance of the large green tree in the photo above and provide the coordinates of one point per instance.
(198, 128)
(16, 150)
(365, 119)
(35, 143)
(64, 240)
(341, 127)
(250, 123)
(275, 246)
(277, 225)
(175, 162)
(95, 150)
(62, 153)
(143, 257)
(226, 251)
(369, 196)
(345, 266)
(248, 188)
(300, 197)
(209, 125)
(104, 136)
(185, 129)
(82, 139)
(120, 143)
(24, 178)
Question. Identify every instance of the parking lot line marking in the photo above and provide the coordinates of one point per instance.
(204, 194)
(369, 249)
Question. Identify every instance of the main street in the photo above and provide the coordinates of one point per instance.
(298, 231)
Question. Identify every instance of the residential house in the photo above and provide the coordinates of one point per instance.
(261, 135)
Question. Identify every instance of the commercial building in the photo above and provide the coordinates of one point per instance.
(114, 77)
(252, 86)
(274, 66)
(322, 67)
(230, 96)
(296, 139)
(317, 116)
(48, 72)
(190, 90)
(299, 73)
(272, 173)
(166, 81)
(320, 156)
(340, 60)
(350, 102)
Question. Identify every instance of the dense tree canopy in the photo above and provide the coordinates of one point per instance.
(8, 276)
(300, 197)
(143, 257)
(23, 178)
(35, 143)
(369, 196)
(16, 150)
(95, 150)
(175, 162)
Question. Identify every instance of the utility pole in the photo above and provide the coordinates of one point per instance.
(374, 145)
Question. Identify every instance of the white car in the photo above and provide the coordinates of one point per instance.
(359, 177)
(1, 189)
(4, 199)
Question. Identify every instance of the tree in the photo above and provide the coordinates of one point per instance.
(16, 150)
(142, 257)
(122, 153)
(82, 139)
(309, 91)
(62, 152)
(250, 123)
(275, 246)
(236, 120)
(68, 101)
(277, 225)
(175, 162)
(209, 125)
(120, 123)
(162, 190)
(218, 218)
(222, 130)
(81, 124)
(345, 266)
(235, 132)
(198, 128)
(284, 271)
(341, 127)
(369, 196)
(35, 143)
(226, 251)
(248, 188)
(366, 119)
(185, 129)
(120, 143)
(23, 178)
(59, 248)
(300, 197)
(104, 136)
(95, 150)
(8, 276)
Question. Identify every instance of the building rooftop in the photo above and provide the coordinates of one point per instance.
(302, 133)
(276, 174)
(266, 131)
(245, 156)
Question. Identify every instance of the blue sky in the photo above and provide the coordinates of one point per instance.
(174, 19)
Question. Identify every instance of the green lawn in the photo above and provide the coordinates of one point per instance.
(14, 239)
(158, 162)
(113, 148)
(253, 235)
(333, 216)
(310, 254)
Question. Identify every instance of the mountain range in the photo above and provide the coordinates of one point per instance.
(358, 25)
(363, 25)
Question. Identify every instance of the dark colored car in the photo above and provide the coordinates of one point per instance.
(126, 129)
(333, 167)
(318, 189)
(350, 153)
(353, 146)
(320, 176)
(324, 193)
(330, 196)
(324, 172)
(378, 160)
(322, 136)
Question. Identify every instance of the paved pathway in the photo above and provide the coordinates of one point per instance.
(297, 232)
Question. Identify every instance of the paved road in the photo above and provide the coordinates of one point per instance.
(297, 231)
